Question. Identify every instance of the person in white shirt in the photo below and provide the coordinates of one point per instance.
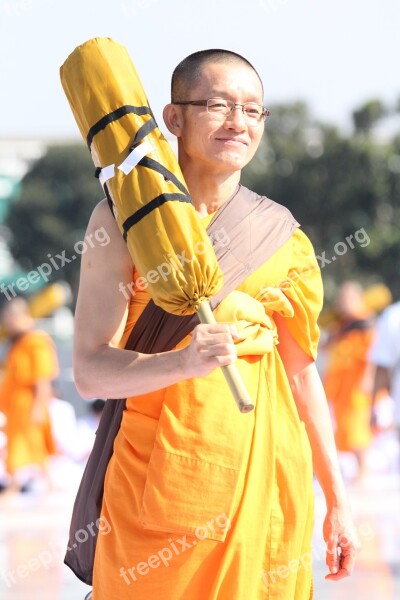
(385, 355)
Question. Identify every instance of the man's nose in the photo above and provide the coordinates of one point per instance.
(235, 119)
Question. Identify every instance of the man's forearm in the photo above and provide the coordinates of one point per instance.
(117, 373)
(313, 409)
(106, 371)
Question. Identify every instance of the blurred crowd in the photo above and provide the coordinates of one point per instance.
(359, 363)
(360, 370)
(40, 434)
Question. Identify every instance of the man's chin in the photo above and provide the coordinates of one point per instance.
(232, 161)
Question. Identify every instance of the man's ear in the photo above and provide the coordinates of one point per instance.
(173, 119)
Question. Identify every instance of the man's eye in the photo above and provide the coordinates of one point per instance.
(217, 105)
(252, 111)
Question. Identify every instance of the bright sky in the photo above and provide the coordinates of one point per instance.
(333, 54)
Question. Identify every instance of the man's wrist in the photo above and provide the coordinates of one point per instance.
(181, 363)
(336, 497)
(334, 489)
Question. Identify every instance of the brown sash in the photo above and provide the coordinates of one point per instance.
(245, 232)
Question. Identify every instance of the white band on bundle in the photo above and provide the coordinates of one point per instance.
(135, 156)
(129, 163)
(106, 173)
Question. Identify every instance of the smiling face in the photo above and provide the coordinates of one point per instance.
(219, 144)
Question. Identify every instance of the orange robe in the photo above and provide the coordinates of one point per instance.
(31, 358)
(348, 360)
(203, 502)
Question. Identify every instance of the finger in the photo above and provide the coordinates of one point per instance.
(332, 555)
(232, 331)
(217, 338)
(223, 361)
(212, 362)
(348, 559)
(333, 563)
(218, 328)
(218, 349)
(341, 574)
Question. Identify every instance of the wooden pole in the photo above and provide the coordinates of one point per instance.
(230, 372)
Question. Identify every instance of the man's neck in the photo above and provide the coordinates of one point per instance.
(209, 193)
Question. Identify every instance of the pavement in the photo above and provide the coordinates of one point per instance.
(33, 533)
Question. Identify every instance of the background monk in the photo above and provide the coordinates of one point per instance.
(348, 378)
(25, 392)
(203, 502)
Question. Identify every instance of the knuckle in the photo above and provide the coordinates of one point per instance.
(226, 348)
(224, 360)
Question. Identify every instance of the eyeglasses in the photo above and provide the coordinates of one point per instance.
(253, 113)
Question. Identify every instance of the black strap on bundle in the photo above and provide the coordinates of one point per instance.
(147, 208)
(114, 116)
(150, 163)
(144, 130)
(147, 162)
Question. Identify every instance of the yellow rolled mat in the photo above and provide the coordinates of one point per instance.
(141, 176)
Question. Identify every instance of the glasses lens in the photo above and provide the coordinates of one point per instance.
(253, 111)
(219, 105)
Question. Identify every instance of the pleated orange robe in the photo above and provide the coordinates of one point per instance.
(348, 360)
(30, 359)
(206, 503)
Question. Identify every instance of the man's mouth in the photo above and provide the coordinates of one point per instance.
(232, 140)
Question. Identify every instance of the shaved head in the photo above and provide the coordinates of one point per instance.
(350, 300)
(17, 305)
(188, 73)
(15, 316)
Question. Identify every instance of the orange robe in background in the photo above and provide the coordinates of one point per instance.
(31, 358)
(343, 382)
(203, 502)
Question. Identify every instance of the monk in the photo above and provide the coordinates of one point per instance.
(30, 366)
(203, 502)
(348, 378)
